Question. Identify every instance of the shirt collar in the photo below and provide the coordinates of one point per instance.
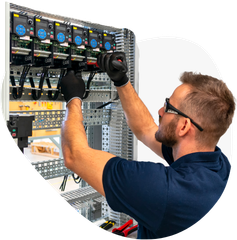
(207, 159)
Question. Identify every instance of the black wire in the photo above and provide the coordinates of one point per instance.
(104, 105)
(18, 93)
(22, 80)
(92, 74)
(58, 86)
(76, 178)
(14, 90)
(36, 94)
(63, 185)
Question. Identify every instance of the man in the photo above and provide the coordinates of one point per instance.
(163, 200)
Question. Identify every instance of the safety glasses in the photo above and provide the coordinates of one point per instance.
(171, 109)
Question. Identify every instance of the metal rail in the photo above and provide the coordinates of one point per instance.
(51, 168)
(50, 119)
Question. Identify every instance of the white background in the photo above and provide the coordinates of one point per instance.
(159, 72)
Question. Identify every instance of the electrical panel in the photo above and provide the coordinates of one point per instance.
(42, 48)
(38, 41)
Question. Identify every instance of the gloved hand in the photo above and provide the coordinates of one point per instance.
(72, 86)
(116, 67)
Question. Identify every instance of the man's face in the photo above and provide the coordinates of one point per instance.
(168, 122)
(166, 132)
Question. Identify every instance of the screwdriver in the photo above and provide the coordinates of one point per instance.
(107, 225)
(96, 64)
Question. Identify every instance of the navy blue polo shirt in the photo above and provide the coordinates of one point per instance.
(166, 200)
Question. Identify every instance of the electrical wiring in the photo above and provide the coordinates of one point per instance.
(18, 93)
(92, 74)
(76, 178)
(63, 185)
(50, 93)
(36, 94)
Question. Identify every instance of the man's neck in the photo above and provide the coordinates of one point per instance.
(181, 150)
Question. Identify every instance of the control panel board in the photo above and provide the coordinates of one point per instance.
(62, 33)
(109, 42)
(95, 39)
(44, 29)
(80, 36)
(22, 25)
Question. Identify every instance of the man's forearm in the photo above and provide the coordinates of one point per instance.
(74, 139)
(137, 115)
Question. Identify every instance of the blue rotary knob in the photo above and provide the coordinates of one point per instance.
(42, 34)
(93, 43)
(78, 40)
(61, 37)
(20, 29)
(107, 46)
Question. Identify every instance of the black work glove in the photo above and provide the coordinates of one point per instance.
(72, 86)
(116, 67)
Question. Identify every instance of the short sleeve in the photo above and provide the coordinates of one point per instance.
(138, 189)
(167, 154)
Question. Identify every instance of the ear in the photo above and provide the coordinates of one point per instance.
(184, 127)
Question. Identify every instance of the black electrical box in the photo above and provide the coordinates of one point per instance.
(22, 25)
(62, 32)
(95, 39)
(44, 29)
(80, 36)
(20, 125)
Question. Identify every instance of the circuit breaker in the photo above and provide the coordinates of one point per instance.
(42, 48)
(20, 127)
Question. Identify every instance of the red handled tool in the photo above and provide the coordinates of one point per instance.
(124, 230)
(92, 63)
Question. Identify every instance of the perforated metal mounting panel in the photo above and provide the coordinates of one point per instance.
(49, 119)
(51, 168)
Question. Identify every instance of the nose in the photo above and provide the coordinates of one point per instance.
(161, 112)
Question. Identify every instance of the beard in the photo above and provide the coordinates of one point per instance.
(166, 134)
